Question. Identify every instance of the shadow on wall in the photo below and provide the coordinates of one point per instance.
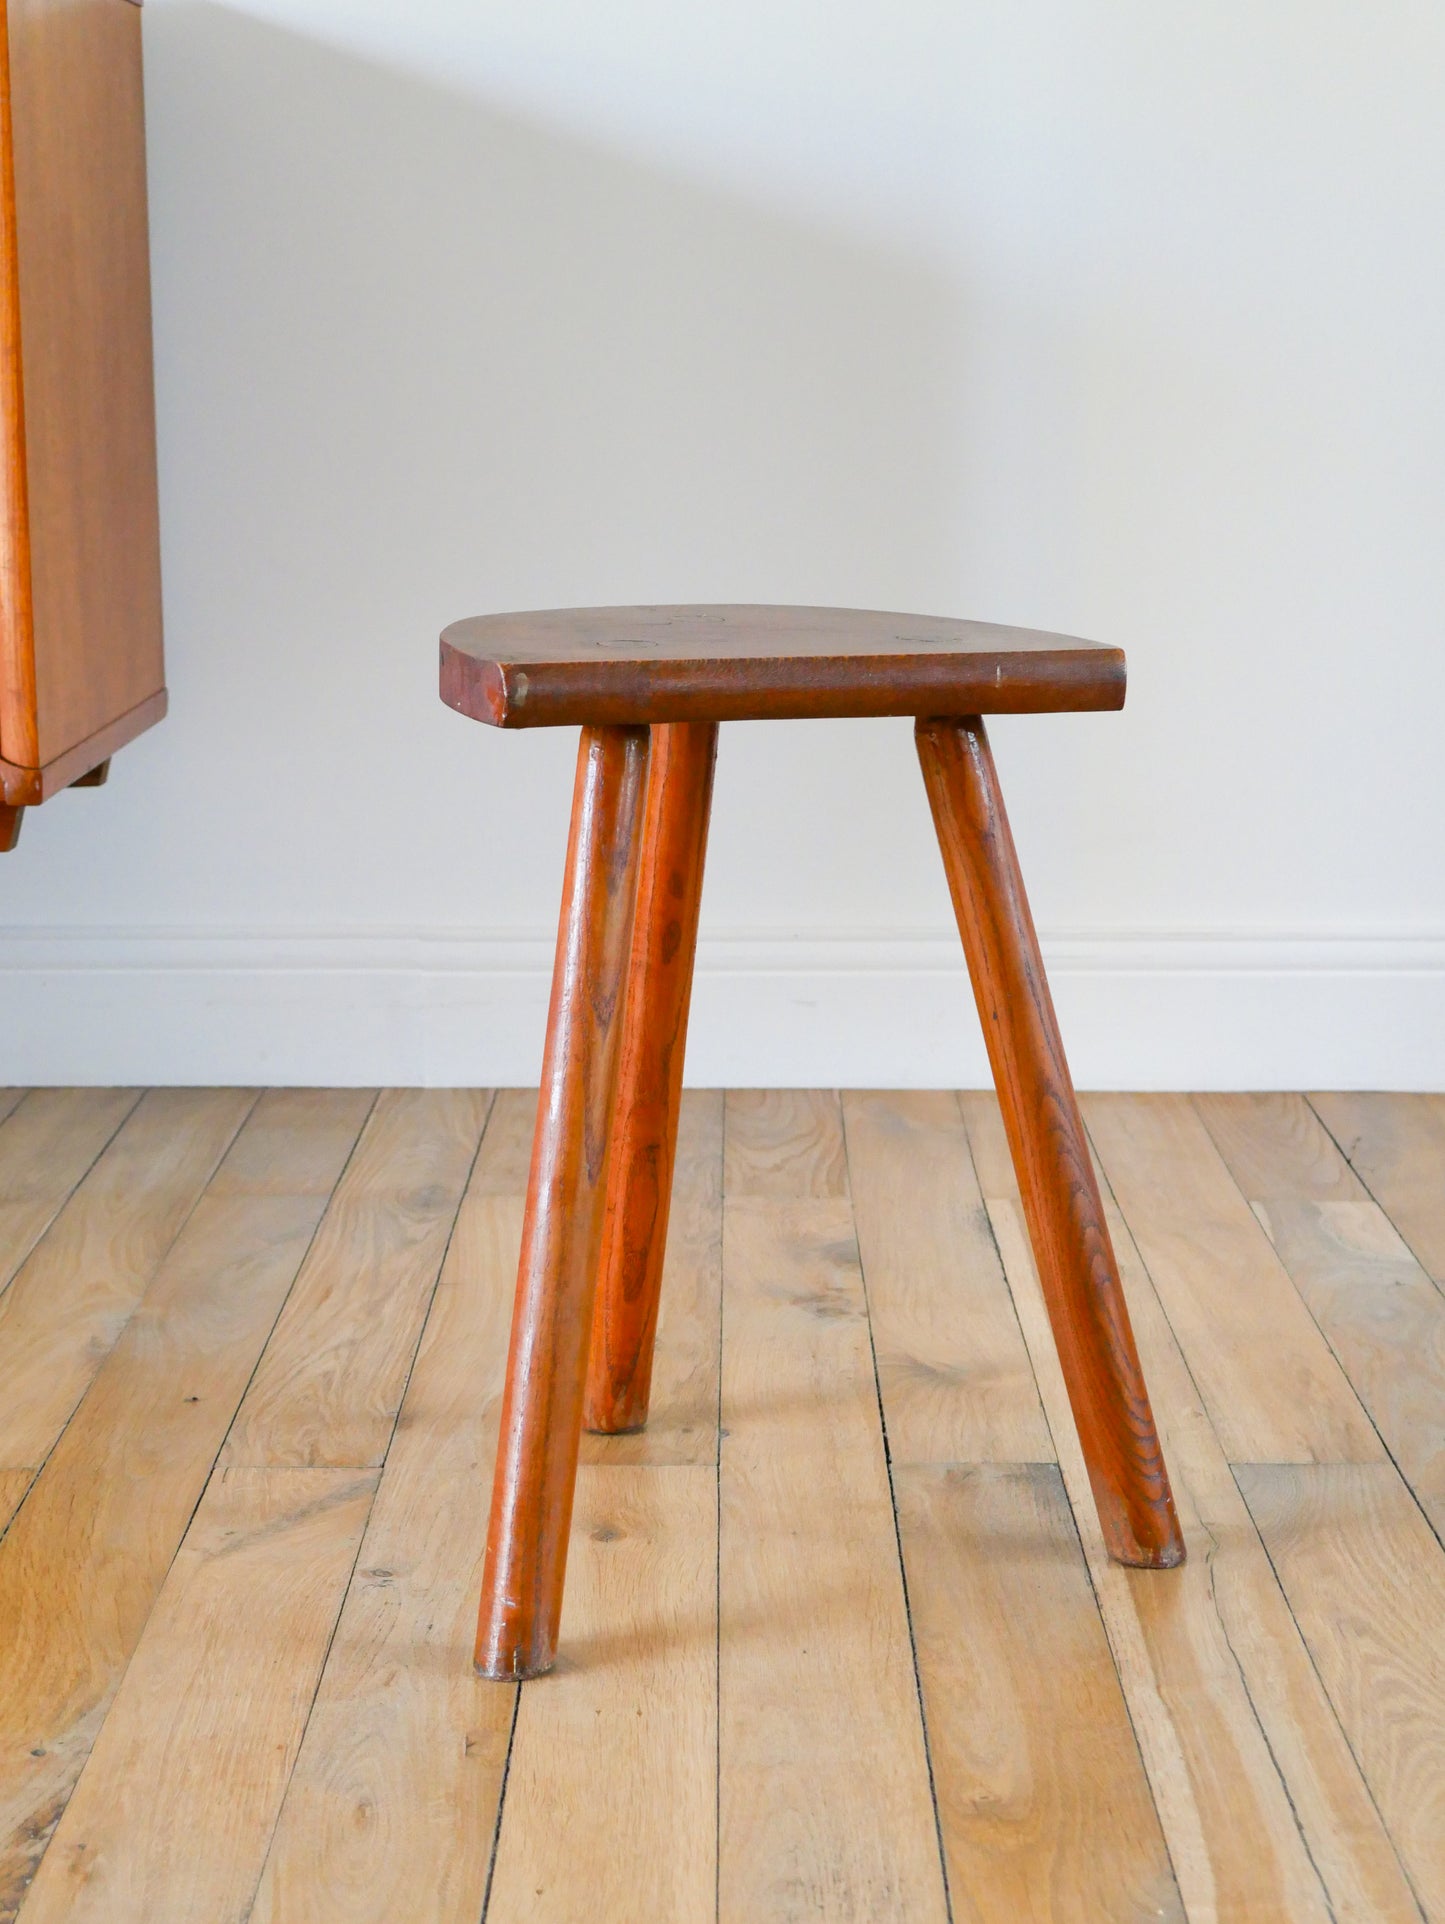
(418, 358)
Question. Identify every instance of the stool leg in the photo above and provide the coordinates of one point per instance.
(541, 1422)
(1065, 1216)
(649, 1075)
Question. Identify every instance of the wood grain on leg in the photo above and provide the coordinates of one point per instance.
(541, 1423)
(1046, 1137)
(649, 1075)
(682, 1427)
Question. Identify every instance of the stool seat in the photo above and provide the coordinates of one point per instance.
(737, 662)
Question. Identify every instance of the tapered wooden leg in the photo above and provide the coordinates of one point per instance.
(1065, 1216)
(10, 820)
(649, 1075)
(541, 1423)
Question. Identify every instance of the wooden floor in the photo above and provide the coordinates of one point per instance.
(840, 1637)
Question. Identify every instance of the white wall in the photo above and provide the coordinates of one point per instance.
(1118, 319)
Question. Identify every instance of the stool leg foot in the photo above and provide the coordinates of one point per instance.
(1061, 1199)
(649, 1075)
(541, 1422)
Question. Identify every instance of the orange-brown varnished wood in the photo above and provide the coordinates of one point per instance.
(744, 662)
(541, 1424)
(1062, 1206)
(17, 639)
(82, 332)
(10, 821)
(20, 784)
(649, 1074)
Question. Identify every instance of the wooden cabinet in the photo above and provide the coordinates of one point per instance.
(81, 668)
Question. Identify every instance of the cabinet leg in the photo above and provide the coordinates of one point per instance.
(1061, 1199)
(541, 1420)
(96, 777)
(10, 820)
(649, 1076)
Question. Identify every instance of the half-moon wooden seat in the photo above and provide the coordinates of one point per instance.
(741, 663)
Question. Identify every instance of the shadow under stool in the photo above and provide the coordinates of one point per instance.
(649, 687)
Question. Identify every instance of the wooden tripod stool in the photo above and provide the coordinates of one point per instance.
(649, 687)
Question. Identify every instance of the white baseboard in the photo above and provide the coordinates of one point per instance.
(1138, 1011)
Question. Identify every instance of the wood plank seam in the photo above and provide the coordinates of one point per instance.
(898, 1546)
(361, 1540)
(183, 1532)
(280, 1307)
(341, 1596)
(1394, 1461)
(1364, 1184)
(501, 1803)
(1353, 1395)
(1221, 1615)
(300, 1267)
(160, 1261)
(4, 1286)
(1088, 1566)
(426, 1316)
(1334, 1711)
(1243, 1676)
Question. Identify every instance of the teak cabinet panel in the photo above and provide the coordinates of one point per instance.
(81, 668)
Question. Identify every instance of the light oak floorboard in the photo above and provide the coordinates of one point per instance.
(824, 1796)
(1366, 1579)
(1396, 1144)
(954, 1373)
(1380, 1312)
(79, 1288)
(10, 1100)
(632, 1706)
(504, 1168)
(784, 1143)
(391, 1811)
(682, 1417)
(1385, 1320)
(82, 1563)
(46, 1148)
(170, 1820)
(1276, 1146)
(1043, 1802)
(1266, 1814)
(328, 1387)
(1274, 1391)
(297, 1143)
